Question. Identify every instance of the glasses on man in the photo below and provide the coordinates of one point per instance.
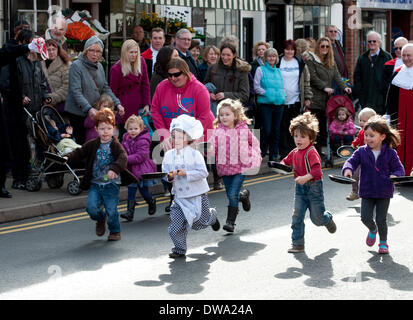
(397, 48)
(176, 74)
(372, 41)
(333, 31)
(185, 39)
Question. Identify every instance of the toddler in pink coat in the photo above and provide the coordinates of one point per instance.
(342, 128)
(237, 153)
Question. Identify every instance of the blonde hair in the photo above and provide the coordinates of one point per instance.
(328, 59)
(305, 123)
(104, 98)
(368, 112)
(135, 119)
(127, 67)
(256, 45)
(379, 124)
(236, 108)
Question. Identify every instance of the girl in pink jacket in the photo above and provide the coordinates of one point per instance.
(237, 153)
(342, 128)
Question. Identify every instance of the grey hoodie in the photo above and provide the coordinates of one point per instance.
(85, 87)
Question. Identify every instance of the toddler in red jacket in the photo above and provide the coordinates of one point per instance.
(308, 177)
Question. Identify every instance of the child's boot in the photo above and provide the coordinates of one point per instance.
(128, 215)
(171, 199)
(244, 198)
(151, 205)
(231, 217)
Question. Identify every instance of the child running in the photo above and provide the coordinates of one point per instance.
(237, 151)
(105, 101)
(137, 142)
(105, 159)
(309, 194)
(378, 162)
(187, 172)
(342, 128)
(364, 115)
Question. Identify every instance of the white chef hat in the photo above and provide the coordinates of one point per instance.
(189, 125)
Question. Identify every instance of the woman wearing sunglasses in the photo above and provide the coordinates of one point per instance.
(180, 93)
(323, 71)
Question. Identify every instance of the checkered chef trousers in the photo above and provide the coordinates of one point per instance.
(178, 230)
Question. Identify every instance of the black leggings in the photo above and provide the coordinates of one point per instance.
(367, 214)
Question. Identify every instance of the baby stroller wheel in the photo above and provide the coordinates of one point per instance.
(33, 184)
(73, 188)
(55, 181)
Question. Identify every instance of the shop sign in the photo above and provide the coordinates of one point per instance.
(386, 4)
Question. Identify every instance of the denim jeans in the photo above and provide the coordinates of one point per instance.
(308, 196)
(108, 196)
(233, 186)
(271, 116)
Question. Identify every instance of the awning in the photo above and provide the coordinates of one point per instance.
(247, 5)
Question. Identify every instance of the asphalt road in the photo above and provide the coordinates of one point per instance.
(60, 257)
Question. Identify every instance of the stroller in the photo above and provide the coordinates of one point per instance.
(51, 167)
(332, 105)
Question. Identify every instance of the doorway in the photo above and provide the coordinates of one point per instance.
(276, 32)
(247, 38)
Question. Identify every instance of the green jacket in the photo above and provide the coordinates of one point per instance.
(322, 77)
(369, 85)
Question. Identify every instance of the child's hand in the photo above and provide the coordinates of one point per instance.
(393, 176)
(181, 172)
(348, 173)
(112, 175)
(301, 180)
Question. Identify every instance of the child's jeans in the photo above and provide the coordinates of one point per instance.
(308, 196)
(367, 215)
(108, 196)
(233, 186)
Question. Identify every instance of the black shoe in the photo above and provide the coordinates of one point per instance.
(174, 255)
(151, 206)
(4, 193)
(216, 225)
(244, 198)
(128, 215)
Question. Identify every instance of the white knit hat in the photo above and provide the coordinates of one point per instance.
(189, 125)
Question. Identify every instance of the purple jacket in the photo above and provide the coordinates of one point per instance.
(138, 151)
(133, 91)
(374, 175)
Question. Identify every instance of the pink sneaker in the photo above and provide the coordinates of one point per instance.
(371, 238)
(383, 248)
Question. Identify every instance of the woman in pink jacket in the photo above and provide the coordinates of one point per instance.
(237, 153)
(130, 83)
(180, 93)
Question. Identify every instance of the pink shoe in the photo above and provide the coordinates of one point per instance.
(371, 238)
(383, 248)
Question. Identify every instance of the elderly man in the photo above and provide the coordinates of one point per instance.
(57, 32)
(182, 44)
(338, 50)
(138, 34)
(391, 65)
(369, 85)
(157, 42)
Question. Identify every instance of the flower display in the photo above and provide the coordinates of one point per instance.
(148, 21)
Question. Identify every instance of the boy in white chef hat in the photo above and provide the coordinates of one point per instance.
(188, 173)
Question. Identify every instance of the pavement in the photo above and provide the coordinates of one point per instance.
(46, 201)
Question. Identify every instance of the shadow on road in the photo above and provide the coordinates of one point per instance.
(397, 275)
(319, 270)
(187, 276)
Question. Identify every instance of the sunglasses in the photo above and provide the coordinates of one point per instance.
(397, 48)
(324, 46)
(176, 74)
(372, 41)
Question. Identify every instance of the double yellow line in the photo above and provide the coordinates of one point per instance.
(141, 204)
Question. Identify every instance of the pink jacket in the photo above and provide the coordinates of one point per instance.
(236, 150)
(133, 91)
(348, 127)
(170, 102)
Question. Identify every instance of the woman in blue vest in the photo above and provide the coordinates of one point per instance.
(269, 87)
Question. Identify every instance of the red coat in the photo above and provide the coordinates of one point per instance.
(133, 91)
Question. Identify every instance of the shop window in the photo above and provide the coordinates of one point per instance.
(227, 23)
(36, 13)
(310, 21)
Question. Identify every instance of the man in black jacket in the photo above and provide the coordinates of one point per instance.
(182, 44)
